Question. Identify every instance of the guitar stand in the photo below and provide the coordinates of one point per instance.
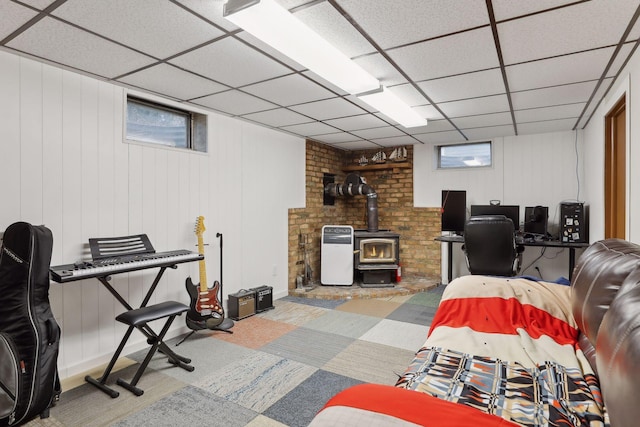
(226, 324)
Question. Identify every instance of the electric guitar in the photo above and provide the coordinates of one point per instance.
(205, 308)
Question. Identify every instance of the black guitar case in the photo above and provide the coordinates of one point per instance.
(29, 334)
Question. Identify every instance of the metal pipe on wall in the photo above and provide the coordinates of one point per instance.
(355, 185)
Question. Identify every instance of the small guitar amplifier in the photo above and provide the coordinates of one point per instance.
(264, 298)
(242, 304)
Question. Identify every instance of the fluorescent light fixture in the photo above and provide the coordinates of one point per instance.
(274, 25)
(393, 107)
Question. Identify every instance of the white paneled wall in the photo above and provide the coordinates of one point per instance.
(527, 170)
(63, 163)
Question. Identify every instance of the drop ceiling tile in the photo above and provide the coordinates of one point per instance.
(310, 129)
(476, 134)
(558, 95)
(362, 121)
(174, 82)
(381, 132)
(574, 68)
(550, 113)
(13, 17)
(335, 138)
(324, 83)
(325, 20)
(356, 145)
(570, 29)
(546, 126)
(472, 85)
(277, 118)
(395, 141)
(270, 52)
(474, 50)
(483, 120)
(428, 111)
(391, 23)
(54, 41)
(328, 109)
(380, 68)
(410, 95)
(620, 59)
(234, 102)
(440, 125)
(507, 9)
(289, 90)
(231, 62)
(38, 4)
(441, 137)
(211, 10)
(469, 107)
(634, 34)
(156, 27)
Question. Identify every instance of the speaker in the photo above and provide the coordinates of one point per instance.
(264, 298)
(573, 223)
(242, 304)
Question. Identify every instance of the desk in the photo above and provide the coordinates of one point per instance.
(451, 239)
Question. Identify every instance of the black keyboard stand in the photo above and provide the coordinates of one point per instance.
(152, 337)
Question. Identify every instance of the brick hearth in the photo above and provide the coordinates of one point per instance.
(355, 291)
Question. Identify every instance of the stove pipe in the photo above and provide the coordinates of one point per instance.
(354, 185)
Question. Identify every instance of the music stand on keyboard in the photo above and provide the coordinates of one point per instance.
(113, 247)
(129, 253)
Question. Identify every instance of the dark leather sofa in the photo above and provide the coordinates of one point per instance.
(606, 305)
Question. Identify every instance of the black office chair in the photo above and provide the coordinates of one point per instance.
(490, 246)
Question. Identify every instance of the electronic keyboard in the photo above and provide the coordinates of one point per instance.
(120, 264)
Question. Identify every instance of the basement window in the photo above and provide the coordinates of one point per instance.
(155, 123)
(472, 155)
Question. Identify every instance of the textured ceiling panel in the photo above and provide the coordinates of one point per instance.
(230, 62)
(172, 81)
(13, 17)
(440, 57)
(55, 41)
(172, 29)
(391, 23)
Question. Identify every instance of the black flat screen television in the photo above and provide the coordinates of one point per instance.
(454, 210)
(510, 211)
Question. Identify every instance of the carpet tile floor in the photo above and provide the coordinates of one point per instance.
(278, 368)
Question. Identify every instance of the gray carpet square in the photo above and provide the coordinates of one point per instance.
(293, 313)
(194, 404)
(257, 381)
(371, 362)
(323, 303)
(413, 313)
(298, 407)
(308, 346)
(430, 298)
(206, 354)
(86, 405)
(343, 323)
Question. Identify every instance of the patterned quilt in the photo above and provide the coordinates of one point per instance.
(508, 347)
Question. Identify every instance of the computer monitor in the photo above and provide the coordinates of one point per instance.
(454, 210)
(535, 220)
(510, 211)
